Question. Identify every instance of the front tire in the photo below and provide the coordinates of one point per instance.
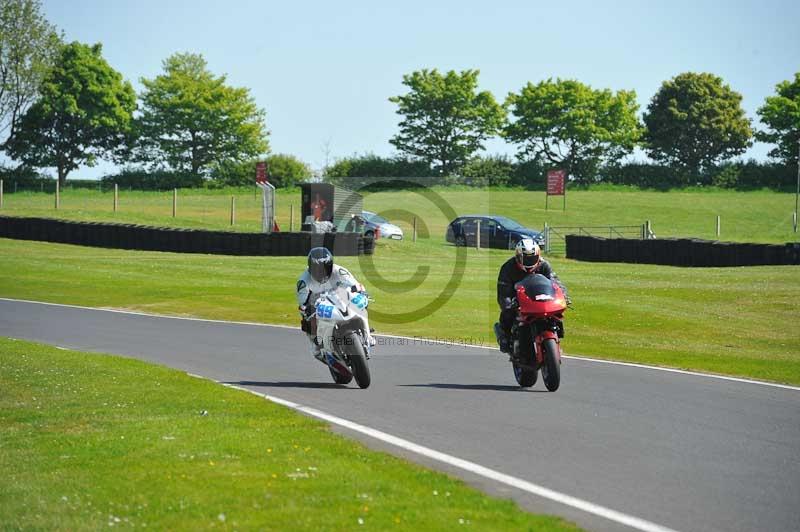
(461, 241)
(551, 369)
(358, 361)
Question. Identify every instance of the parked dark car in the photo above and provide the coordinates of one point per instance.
(496, 232)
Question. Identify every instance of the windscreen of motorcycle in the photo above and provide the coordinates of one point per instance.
(537, 287)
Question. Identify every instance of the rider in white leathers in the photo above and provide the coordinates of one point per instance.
(322, 275)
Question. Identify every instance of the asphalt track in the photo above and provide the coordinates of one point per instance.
(678, 450)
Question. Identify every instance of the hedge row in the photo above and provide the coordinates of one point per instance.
(124, 236)
(680, 252)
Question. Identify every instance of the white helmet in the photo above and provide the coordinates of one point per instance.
(527, 253)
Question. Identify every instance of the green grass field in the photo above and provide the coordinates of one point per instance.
(734, 321)
(746, 216)
(91, 442)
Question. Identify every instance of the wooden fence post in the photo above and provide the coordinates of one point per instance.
(546, 238)
(233, 210)
(414, 233)
(291, 217)
(58, 194)
(116, 197)
(174, 202)
(718, 225)
(478, 235)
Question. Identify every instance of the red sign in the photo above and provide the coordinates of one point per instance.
(555, 182)
(261, 172)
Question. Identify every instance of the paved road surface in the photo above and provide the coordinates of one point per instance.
(682, 451)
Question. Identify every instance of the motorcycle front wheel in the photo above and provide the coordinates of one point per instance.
(551, 370)
(358, 360)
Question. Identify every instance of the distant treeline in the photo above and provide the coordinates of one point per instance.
(498, 171)
(376, 172)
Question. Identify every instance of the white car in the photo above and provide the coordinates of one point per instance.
(373, 222)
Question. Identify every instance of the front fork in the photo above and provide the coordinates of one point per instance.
(539, 339)
(539, 332)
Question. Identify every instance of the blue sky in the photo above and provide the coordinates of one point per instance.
(323, 71)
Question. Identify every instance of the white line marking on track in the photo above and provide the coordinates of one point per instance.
(431, 341)
(477, 469)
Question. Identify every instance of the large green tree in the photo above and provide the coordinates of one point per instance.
(695, 121)
(83, 113)
(191, 120)
(284, 170)
(568, 124)
(28, 47)
(445, 120)
(781, 115)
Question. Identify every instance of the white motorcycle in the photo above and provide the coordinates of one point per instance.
(343, 326)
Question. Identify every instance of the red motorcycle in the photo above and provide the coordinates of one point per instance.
(536, 334)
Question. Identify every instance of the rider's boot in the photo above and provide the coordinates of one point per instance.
(503, 338)
(316, 348)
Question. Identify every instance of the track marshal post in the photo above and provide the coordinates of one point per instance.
(267, 197)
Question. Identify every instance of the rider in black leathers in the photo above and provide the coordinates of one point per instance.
(527, 260)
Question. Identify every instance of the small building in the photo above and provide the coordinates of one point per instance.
(324, 202)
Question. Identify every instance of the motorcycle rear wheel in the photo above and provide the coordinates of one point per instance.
(358, 361)
(525, 377)
(551, 370)
(338, 378)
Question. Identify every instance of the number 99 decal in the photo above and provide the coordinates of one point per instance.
(324, 311)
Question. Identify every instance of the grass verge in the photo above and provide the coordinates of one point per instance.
(758, 216)
(94, 441)
(733, 321)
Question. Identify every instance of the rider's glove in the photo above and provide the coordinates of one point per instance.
(358, 287)
(510, 303)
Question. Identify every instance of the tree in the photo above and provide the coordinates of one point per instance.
(83, 113)
(781, 115)
(191, 120)
(287, 170)
(695, 121)
(493, 170)
(445, 121)
(284, 171)
(371, 165)
(568, 124)
(28, 47)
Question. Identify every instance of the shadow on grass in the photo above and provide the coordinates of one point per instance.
(319, 385)
(489, 387)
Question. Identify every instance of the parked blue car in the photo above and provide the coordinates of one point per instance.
(496, 232)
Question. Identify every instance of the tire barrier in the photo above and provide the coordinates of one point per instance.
(691, 252)
(176, 240)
